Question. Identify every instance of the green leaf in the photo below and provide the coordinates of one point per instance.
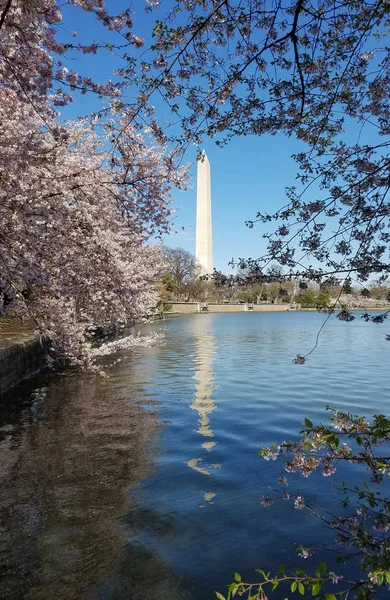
(261, 573)
(330, 597)
(301, 589)
(219, 596)
(315, 589)
(308, 423)
(282, 570)
(237, 577)
(387, 575)
(293, 586)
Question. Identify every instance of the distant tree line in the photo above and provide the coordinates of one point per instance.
(181, 282)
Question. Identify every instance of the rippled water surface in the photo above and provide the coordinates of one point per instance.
(147, 484)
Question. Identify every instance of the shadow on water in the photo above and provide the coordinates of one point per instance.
(71, 452)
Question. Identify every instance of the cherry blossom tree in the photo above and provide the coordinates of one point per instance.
(30, 51)
(79, 201)
(74, 224)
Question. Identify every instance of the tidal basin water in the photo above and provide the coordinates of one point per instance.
(147, 484)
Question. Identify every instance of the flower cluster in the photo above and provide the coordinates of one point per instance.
(363, 530)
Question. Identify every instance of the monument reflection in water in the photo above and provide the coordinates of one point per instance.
(203, 402)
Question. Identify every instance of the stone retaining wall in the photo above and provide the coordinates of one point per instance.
(157, 316)
(191, 307)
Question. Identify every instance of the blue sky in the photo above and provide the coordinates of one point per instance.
(247, 175)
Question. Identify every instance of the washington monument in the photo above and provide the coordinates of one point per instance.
(204, 242)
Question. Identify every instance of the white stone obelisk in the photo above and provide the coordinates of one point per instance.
(204, 243)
